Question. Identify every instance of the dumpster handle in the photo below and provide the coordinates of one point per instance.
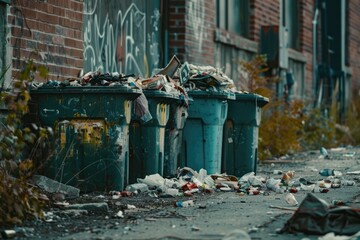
(45, 111)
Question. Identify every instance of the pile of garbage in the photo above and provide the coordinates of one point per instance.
(190, 182)
(208, 78)
(166, 80)
(92, 78)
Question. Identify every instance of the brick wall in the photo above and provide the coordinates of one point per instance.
(263, 12)
(200, 25)
(177, 28)
(354, 44)
(306, 17)
(52, 28)
(191, 30)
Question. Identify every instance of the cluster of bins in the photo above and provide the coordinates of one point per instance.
(100, 144)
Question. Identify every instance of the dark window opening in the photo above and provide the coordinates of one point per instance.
(2, 37)
(233, 16)
(291, 20)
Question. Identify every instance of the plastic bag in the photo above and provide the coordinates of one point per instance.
(142, 108)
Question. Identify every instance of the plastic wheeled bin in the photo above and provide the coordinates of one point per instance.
(241, 130)
(203, 131)
(173, 136)
(147, 138)
(91, 126)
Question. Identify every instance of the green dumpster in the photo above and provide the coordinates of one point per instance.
(202, 145)
(240, 138)
(173, 136)
(147, 138)
(91, 126)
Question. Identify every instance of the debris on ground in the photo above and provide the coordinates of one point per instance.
(316, 216)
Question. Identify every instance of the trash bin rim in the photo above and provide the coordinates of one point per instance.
(86, 89)
(211, 94)
(160, 94)
(250, 97)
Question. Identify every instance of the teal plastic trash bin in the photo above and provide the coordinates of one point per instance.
(91, 127)
(241, 130)
(147, 138)
(202, 134)
(173, 136)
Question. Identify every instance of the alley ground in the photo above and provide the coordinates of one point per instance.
(218, 215)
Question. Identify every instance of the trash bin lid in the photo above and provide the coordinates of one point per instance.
(211, 94)
(261, 100)
(117, 89)
(161, 95)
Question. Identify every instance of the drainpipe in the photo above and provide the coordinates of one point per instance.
(314, 62)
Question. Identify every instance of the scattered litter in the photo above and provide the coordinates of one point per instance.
(337, 203)
(195, 228)
(184, 204)
(324, 153)
(286, 177)
(237, 234)
(273, 184)
(8, 234)
(352, 154)
(172, 192)
(332, 236)
(330, 172)
(283, 208)
(290, 199)
(225, 189)
(119, 214)
(348, 183)
(320, 190)
(137, 187)
(353, 173)
(314, 216)
(307, 187)
(253, 230)
(338, 149)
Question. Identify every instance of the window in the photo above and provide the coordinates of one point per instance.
(2, 36)
(347, 34)
(233, 16)
(291, 21)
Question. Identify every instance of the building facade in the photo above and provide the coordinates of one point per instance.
(312, 45)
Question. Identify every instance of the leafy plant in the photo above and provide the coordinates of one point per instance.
(350, 132)
(281, 129)
(254, 76)
(18, 200)
(286, 126)
(319, 130)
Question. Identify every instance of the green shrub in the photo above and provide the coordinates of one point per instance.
(18, 200)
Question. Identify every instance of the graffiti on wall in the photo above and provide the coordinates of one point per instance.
(196, 17)
(121, 36)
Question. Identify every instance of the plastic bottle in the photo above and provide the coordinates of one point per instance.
(187, 203)
(137, 187)
(324, 152)
(329, 172)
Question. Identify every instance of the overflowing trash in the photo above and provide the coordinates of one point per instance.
(208, 78)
